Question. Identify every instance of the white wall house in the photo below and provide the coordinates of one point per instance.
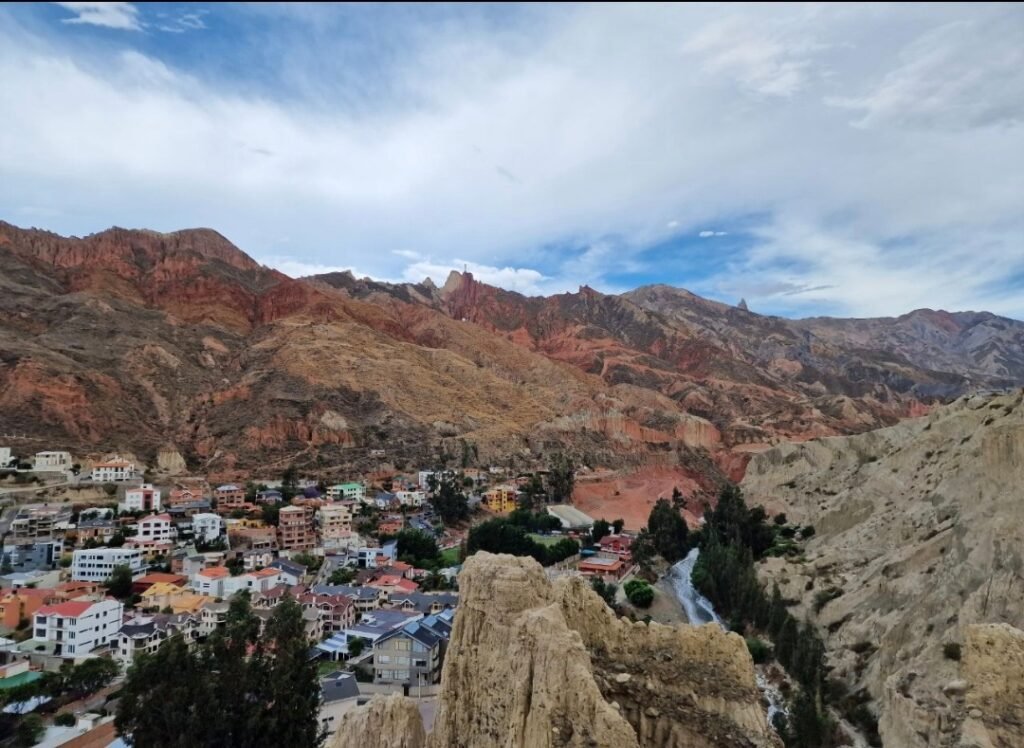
(5, 456)
(154, 532)
(51, 461)
(145, 498)
(346, 491)
(77, 627)
(98, 564)
(113, 471)
(412, 498)
(217, 581)
(207, 527)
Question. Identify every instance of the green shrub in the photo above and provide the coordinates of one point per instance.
(639, 593)
(951, 650)
(759, 650)
(65, 719)
(807, 532)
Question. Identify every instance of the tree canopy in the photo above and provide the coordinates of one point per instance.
(668, 531)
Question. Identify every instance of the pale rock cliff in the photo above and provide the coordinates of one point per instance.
(918, 530)
(533, 664)
(385, 722)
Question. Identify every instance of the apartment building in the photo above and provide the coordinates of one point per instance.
(97, 564)
(295, 528)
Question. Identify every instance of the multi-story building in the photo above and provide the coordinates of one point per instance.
(501, 499)
(143, 634)
(43, 554)
(347, 491)
(145, 498)
(229, 496)
(5, 456)
(156, 534)
(207, 527)
(414, 653)
(218, 582)
(335, 524)
(97, 564)
(180, 496)
(47, 462)
(95, 529)
(41, 522)
(77, 627)
(335, 612)
(113, 471)
(295, 529)
(411, 498)
(20, 605)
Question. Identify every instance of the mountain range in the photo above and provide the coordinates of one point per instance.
(150, 343)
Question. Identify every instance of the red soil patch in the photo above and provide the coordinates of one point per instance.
(631, 496)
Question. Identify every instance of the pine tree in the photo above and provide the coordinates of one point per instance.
(786, 642)
(777, 613)
(293, 691)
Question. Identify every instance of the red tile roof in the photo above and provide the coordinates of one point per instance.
(216, 572)
(70, 609)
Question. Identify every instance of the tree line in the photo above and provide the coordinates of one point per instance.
(511, 535)
(234, 688)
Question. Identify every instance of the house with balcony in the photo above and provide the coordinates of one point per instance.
(78, 627)
(113, 471)
(144, 498)
(144, 633)
(413, 654)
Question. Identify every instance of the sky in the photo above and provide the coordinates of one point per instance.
(849, 160)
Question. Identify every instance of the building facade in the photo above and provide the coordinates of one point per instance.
(51, 461)
(145, 498)
(98, 564)
(77, 627)
(295, 528)
(113, 471)
(347, 491)
(207, 527)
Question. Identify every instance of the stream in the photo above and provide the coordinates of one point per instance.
(699, 611)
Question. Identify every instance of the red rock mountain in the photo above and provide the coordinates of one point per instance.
(136, 340)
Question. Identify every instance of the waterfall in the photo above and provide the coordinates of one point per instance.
(699, 610)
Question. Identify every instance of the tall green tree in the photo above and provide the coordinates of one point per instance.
(601, 529)
(668, 531)
(561, 477)
(289, 483)
(618, 524)
(293, 692)
(449, 502)
(119, 583)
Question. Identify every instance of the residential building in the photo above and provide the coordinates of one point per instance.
(291, 572)
(391, 525)
(365, 599)
(427, 603)
(229, 496)
(155, 530)
(610, 569)
(372, 558)
(414, 653)
(145, 498)
(349, 491)
(144, 633)
(372, 626)
(178, 599)
(335, 523)
(295, 528)
(423, 479)
(35, 522)
(95, 529)
(218, 582)
(253, 538)
(501, 499)
(5, 456)
(390, 584)
(617, 545)
(97, 564)
(19, 605)
(113, 471)
(51, 462)
(411, 498)
(179, 496)
(143, 583)
(335, 612)
(339, 694)
(270, 496)
(212, 617)
(77, 627)
(256, 560)
(206, 527)
(210, 581)
(44, 554)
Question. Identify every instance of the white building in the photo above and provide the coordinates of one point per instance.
(113, 471)
(5, 456)
(346, 491)
(155, 530)
(218, 582)
(77, 627)
(412, 498)
(207, 527)
(424, 479)
(145, 498)
(51, 461)
(98, 564)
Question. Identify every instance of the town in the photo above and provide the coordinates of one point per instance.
(104, 560)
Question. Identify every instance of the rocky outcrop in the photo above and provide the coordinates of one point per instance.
(533, 664)
(385, 722)
(917, 542)
(993, 668)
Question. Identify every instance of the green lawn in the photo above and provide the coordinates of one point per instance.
(450, 557)
(546, 539)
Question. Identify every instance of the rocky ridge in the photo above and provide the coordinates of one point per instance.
(916, 552)
(533, 664)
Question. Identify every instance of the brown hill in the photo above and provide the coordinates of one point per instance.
(136, 340)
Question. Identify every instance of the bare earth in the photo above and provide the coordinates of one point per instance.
(631, 496)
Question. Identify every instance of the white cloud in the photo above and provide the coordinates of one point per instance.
(705, 234)
(110, 15)
(612, 150)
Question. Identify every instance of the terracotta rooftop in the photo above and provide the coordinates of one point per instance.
(70, 609)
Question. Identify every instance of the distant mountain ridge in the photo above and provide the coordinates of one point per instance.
(138, 340)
